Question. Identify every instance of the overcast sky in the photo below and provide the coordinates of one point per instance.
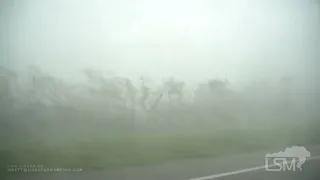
(192, 39)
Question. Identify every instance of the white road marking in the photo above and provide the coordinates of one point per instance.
(242, 171)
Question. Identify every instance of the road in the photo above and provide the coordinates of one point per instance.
(311, 171)
(249, 167)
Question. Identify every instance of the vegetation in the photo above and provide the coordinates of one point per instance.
(109, 122)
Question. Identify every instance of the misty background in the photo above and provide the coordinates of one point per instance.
(239, 40)
(147, 79)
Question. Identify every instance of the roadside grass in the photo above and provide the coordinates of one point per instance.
(132, 149)
(68, 139)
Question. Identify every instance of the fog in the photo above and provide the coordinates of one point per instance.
(88, 70)
(239, 40)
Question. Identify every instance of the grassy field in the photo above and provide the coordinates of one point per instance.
(68, 139)
(112, 151)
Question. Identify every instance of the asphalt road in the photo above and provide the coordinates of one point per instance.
(190, 169)
(310, 171)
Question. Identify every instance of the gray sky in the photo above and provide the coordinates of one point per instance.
(236, 39)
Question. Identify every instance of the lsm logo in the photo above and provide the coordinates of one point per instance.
(288, 160)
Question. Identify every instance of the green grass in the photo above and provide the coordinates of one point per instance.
(70, 140)
(112, 151)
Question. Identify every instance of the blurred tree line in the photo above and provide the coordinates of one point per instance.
(118, 101)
